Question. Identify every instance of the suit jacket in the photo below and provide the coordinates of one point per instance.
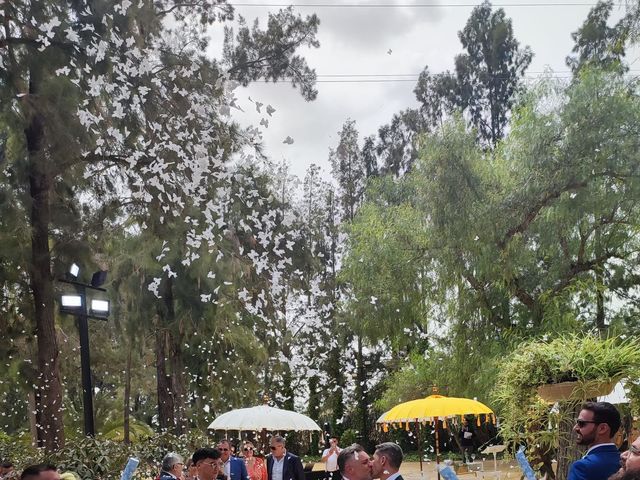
(291, 470)
(238, 469)
(599, 464)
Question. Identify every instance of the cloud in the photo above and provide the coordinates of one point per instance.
(370, 27)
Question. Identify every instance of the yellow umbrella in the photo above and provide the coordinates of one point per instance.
(432, 409)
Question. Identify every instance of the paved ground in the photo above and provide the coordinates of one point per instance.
(507, 470)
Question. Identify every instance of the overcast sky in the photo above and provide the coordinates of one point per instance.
(399, 40)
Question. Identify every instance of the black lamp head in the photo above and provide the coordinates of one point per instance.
(99, 278)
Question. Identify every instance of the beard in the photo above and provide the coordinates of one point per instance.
(625, 475)
(584, 439)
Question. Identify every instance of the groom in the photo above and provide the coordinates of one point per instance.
(386, 462)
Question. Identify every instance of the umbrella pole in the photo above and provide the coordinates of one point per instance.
(437, 447)
(419, 447)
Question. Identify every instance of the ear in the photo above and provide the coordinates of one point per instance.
(605, 429)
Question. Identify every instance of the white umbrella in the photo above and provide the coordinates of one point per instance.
(618, 395)
(263, 417)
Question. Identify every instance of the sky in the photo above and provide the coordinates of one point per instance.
(396, 41)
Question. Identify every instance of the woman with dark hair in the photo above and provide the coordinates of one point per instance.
(256, 467)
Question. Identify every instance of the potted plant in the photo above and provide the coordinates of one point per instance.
(540, 369)
(573, 367)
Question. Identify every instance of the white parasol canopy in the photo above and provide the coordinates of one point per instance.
(263, 417)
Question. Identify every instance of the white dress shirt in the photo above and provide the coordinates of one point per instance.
(277, 469)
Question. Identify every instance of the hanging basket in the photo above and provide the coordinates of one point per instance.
(557, 392)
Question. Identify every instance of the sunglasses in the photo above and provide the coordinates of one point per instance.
(223, 449)
(272, 447)
(583, 423)
(248, 449)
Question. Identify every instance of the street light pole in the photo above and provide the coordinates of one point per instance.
(83, 314)
(85, 366)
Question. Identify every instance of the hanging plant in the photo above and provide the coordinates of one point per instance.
(577, 366)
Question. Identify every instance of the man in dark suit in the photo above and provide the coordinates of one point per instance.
(354, 463)
(386, 462)
(596, 425)
(233, 468)
(282, 465)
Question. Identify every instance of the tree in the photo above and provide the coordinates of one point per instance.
(397, 142)
(507, 244)
(104, 99)
(599, 45)
(270, 54)
(486, 79)
(348, 169)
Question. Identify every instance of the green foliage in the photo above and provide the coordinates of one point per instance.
(584, 358)
(486, 79)
(348, 437)
(495, 247)
(597, 44)
(93, 458)
(271, 54)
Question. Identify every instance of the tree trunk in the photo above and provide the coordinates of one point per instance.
(163, 380)
(567, 448)
(362, 395)
(49, 398)
(336, 400)
(33, 421)
(178, 380)
(313, 407)
(127, 399)
(600, 312)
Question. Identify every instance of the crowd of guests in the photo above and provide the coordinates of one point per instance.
(351, 463)
(595, 428)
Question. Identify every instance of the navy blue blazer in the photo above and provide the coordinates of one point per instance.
(238, 469)
(292, 468)
(599, 464)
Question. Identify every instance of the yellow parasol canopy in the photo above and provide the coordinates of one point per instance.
(432, 407)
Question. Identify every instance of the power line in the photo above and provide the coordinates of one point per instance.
(401, 80)
(410, 5)
(416, 75)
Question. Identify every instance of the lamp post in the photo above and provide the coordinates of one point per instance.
(76, 305)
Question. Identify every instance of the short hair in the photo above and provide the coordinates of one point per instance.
(605, 412)
(334, 436)
(203, 453)
(279, 439)
(36, 470)
(171, 459)
(347, 453)
(392, 451)
(224, 440)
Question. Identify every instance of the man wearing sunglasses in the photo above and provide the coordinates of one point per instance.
(595, 427)
(234, 468)
(282, 465)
